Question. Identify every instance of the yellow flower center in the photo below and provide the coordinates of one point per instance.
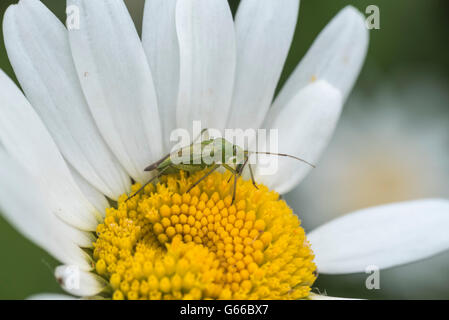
(168, 244)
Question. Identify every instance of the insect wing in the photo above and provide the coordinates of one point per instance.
(156, 165)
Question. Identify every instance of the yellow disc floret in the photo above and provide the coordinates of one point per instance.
(168, 244)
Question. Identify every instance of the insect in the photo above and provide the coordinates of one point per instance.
(224, 154)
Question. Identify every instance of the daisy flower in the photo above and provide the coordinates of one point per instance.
(100, 106)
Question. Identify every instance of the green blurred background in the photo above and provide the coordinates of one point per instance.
(413, 37)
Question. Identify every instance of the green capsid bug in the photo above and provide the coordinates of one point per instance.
(211, 153)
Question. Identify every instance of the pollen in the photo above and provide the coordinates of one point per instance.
(168, 244)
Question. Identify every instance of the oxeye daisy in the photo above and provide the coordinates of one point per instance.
(100, 106)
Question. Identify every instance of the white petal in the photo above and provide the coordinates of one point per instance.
(336, 56)
(304, 126)
(94, 196)
(160, 42)
(313, 296)
(117, 82)
(383, 236)
(264, 31)
(25, 138)
(78, 282)
(207, 62)
(22, 204)
(39, 51)
(50, 296)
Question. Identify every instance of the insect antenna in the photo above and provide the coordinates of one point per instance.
(285, 155)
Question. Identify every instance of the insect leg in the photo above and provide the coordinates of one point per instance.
(231, 169)
(235, 174)
(252, 176)
(243, 166)
(151, 180)
(235, 188)
(203, 177)
(238, 170)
